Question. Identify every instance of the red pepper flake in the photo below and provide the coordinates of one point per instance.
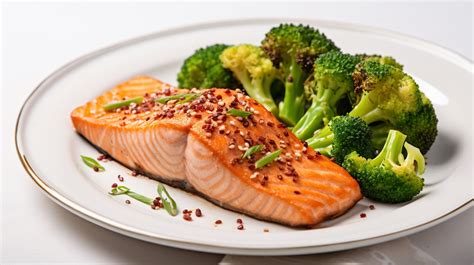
(240, 227)
(114, 185)
(96, 169)
(310, 157)
(371, 207)
(187, 217)
(280, 177)
(186, 211)
(297, 192)
(218, 222)
(120, 178)
(363, 215)
(134, 173)
(127, 201)
(239, 221)
(198, 212)
(157, 202)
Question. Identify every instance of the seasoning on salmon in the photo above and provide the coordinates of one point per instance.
(188, 139)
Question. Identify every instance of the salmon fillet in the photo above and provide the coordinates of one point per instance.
(197, 146)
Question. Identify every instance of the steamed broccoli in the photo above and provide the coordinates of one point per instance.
(293, 50)
(389, 96)
(254, 70)
(380, 59)
(204, 69)
(332, 82)
(344, 135)
(390, 177)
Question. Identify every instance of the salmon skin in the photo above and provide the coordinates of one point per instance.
(196, 142)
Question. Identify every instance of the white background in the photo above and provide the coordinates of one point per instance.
(39, 38)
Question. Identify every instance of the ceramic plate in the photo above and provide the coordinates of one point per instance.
(50, 149)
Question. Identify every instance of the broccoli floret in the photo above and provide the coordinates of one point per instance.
(380, 59)
(420, 127)
(344, 135)
(388, 95)
(254, 70)
(390, 177)
(331, 82)
(293, 50)
(204, 69)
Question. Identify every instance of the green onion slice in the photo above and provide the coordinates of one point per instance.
(123, 103)
(90, 162)
(239, 113)
(168, 202)
(267, 159)
(182, 98)
(122, 190)
(252, 150)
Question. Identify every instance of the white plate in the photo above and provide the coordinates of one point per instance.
(49, 148)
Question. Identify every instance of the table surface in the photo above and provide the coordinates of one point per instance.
(39, 38)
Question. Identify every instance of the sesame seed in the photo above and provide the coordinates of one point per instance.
(242, 148)
(254, 175)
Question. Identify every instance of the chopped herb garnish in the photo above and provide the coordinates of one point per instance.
(123, 103)
(122, 190)
(267, 159)
(168, 203)
(239, 113)
(252, 150)
(182, 98)
(90, 162)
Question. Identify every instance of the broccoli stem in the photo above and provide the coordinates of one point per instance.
(322, 141)
(259, 89)
(292, 106)
(367, 110)
(312, 120)
(321, 110)
(414, 155)
(391, 151)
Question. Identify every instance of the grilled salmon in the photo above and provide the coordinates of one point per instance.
(196, 139)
